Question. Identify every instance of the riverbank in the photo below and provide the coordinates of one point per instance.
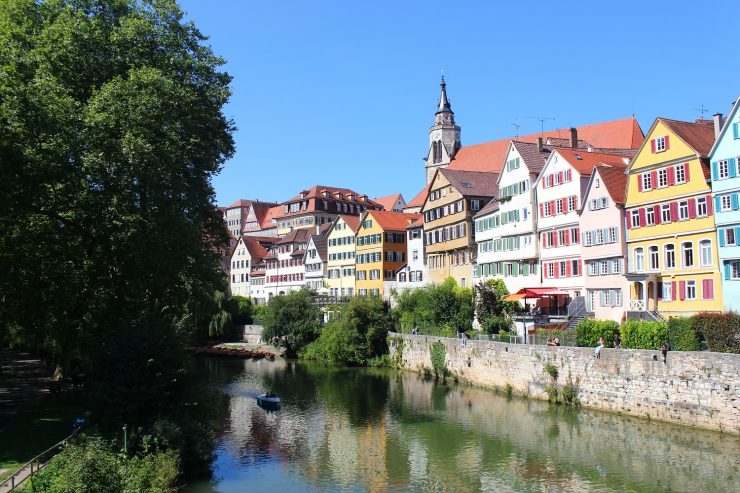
(698, 389)
(239, 350)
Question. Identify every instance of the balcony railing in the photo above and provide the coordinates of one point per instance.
(636, 305)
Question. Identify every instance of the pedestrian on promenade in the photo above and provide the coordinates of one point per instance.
(664, 351)
(597, 352)
(617, 342)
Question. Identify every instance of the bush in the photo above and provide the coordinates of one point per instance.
(720, 331)
(589, 331)
(437, 353)
(442, 310)
(293, 320)
(258, 314)
(496, 324)
(241, 310)
(682, 335)
(644, 334)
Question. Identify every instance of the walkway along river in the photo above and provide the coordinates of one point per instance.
(360, 429)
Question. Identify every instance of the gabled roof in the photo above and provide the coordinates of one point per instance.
(353, 222)
(533, 157)
(472, 183)
(393, 221)
(584, 161)
(420, 198)
(613, 178)
(619, 134)
(295, 236)
(319, 191)
(419, 223)
(725, 126)
(320, 243)
(491, 206)
(699, 136)
(389, 201)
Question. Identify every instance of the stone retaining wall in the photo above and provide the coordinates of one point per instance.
(692, 388)
(252, 334)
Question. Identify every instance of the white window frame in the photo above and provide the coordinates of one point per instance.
(660, 144)
(672, 263)
(705, 244)
(680, 173)
(723, 169)
(727, 232)
(685, 264)
(690, 285)
(667, 288)
(701, 207)
(725, 202)
(663, 178)
(683, 210)
(639, 258)
(735, 270)
(653, 254)
(650, 216)
(665, 213)
(647, 182)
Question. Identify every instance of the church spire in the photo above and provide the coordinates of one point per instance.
(444, 103)
(444, 136)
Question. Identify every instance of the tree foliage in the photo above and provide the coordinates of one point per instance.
(494, 314)
(292, 320)
(438, 309)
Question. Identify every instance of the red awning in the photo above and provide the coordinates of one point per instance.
(537, 293)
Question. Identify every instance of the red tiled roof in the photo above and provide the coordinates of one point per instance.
(388, 201)
(393, 221)
(489, 156)
(420, 198)
(584, 161)
(317, 192)
(491, 206)
(699, 136)
(296, 236)
(614, 180)
(255, 248)
(352, 221)
(419, 223)
(472, 183)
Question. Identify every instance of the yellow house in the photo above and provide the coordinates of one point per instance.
(671, 247)
(380, 249)
(340, 267)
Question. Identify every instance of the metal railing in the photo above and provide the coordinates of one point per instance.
(31, 467)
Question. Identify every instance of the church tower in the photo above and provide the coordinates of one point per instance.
(444, 136)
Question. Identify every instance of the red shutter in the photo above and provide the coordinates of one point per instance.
(709, 205)
(575, 203)
(674, 211)
(707, 286)
(567, 238)
(682, 288)
(671, 176)
(656, 212)
(542, 210)
(555, 240)
(565, 205)
(652, 146)
(692, 208)
(544, 270)
(560, 177)
(673, 290)
(628, 219)
(642, 217)
(639, 182)
(552, 208)
(667, 143)
(578, 235)
(557, 269)
(654, 179)
(686, 171)
(568, 268)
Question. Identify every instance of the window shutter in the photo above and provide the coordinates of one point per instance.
(561, 177)
(722, 237)
(709, 289)
(555, 240)
(674, 211)
(575, 203)
(737, 231)
(715, 171)
(568, 268)
(656, 212)
(674, 295)
(728, 270)
(654, 179)
(642, 218)
(671, 176)
(686, 169)
(639, 177)
(709, 205)
(557, 269)
(542, 210)
(544, 270)
(692, 208)
(565, 205)
(552, 207)
(682, 289)
(667, 142)
(660, 291)
(652, 146)
(734, 201)
(717, 202)
(736, 131)
(733, 168)
(627, 220)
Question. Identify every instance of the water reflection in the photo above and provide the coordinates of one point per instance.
(384, 431)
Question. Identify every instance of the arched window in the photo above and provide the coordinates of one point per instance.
(434, 152)
(670, 256)
(653, 256)
(687, 254)
(639, 259)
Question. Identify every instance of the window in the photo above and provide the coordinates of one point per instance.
(667, 289)
(724, 169)
(604, 267)
(680, 171)
(735, 270)
(639, 260)
(690, 290)
(653, 257)
(730, 236)
(558, 207)
(647, 181)
(660, 144)
(683, 210)
(670, 256)
(474, 205)
(551, 269)
(562, 267)
(571, 204)
(415, 254)
(705, 252)
(687, 254)
(650, 216)
(547, 210)
(662, 178)
(665, 213)
(616, 266)
(725, 203)
(612, 235)
(593, 269)
(635, 218)
(701, 207)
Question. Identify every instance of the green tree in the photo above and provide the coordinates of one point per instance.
(293, 320)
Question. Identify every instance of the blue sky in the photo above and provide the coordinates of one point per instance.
(343, 93)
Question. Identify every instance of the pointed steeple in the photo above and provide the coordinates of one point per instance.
(444, 103)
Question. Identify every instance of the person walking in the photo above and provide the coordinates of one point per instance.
(597, 352)
(617, 342)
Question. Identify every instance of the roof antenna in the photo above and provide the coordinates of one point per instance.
(701, 111)
(516, 125)
(542, 120)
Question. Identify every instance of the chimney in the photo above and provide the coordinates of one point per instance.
(717, 124)
(573, 138)
(539, 144)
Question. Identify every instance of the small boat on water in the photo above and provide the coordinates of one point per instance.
(268, 398)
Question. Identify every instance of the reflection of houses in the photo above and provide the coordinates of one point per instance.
(672, 263)
(725, 165)
(248, 252)
(284, 269)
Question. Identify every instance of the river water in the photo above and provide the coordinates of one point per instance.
(359, 429)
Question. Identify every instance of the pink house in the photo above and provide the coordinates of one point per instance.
(603, 242)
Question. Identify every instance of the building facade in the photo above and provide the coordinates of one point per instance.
(284, 270)
(340, 270)
(453, 200)
(314, 261)
(603, 243)
(671, 237)
(248, 252)
(444, 136)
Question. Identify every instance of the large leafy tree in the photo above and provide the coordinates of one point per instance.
(111, 128)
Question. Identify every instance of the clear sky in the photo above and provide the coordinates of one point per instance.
(343, 93)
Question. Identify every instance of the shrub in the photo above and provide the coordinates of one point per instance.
(241, 310)
(720, 331)
(682, 335)
(293, 320)
(644, 334)
(589, 331)
(442, 310)
(437, 353)
(496, 324)
(258, 314)
(569, 395)
(551, 370)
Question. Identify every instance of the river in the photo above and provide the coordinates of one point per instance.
(376, 430)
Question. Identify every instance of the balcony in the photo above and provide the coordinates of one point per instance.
(636, 305)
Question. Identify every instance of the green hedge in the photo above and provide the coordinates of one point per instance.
(682, 334)
(589, 331)
(644, 334)
(721, 331)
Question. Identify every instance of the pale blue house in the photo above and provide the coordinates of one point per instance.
(725, 165)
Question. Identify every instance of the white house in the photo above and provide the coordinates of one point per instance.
(284, 270)
(246, 254)
(414, 274)
(314, 261)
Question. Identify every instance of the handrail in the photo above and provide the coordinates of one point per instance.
(36, 460)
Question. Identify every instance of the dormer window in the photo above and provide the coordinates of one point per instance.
(660, 144)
